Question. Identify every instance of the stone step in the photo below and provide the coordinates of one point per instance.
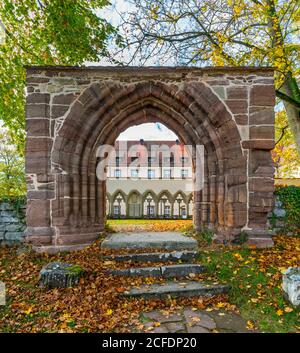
(175, 256)
(177, 289)
(182, 270)
(144, 240)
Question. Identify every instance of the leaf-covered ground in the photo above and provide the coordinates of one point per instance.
(95, 305)
(150, 225)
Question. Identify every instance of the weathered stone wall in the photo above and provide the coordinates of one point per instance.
(71, 111)
(277, 217)
(12, 224)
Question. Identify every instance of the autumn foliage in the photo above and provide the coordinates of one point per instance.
(96, 303)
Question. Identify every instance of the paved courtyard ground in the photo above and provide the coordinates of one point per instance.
(192, 320)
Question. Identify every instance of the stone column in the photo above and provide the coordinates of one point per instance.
(40, 180)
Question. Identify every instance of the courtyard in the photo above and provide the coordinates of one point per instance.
(254, 303)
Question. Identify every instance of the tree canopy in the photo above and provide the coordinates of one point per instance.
(44, 32)
(12, 173)
(285, 156)
(222, 32)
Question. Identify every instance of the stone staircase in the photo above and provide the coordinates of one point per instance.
(170, 247)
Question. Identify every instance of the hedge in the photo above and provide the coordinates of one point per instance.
(290, 198)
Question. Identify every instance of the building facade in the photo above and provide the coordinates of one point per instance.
(149, 179)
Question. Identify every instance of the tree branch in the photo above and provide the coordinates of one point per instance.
(288, 99)
(282, 134)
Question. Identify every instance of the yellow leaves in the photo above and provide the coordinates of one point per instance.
(250, 325)
(221, 37)
(237, 6)
(63, 326)
(149, 280)
(151, 225)
(279, 312)
(66, 317)
(282, 269)
(28, 311)
(109, 263)
(109, 312)
(96, 306)
(154, 11)
(150, 328)
(237, 11)
(238, 256)
(195, 319)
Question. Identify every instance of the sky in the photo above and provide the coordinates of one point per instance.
(148, 131)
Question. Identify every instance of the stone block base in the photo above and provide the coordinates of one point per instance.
(259, 238)
(260, 241)
(291, 285)
(54, 249)
(60, 275)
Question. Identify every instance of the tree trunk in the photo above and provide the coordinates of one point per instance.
(292, 112)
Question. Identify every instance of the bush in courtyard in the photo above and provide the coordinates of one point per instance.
(12, 169)
(290, 198)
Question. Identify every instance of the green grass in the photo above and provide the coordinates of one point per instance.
(257, 294)
(142, 221)
(129, 221)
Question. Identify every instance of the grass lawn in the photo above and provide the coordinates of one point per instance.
(256, 276)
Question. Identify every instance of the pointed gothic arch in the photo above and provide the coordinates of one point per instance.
(235, 154)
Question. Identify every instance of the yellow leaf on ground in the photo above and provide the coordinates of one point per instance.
(250, 324)
(28, 311)
(196, 319)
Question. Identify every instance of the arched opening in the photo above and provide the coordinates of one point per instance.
(134, 204)
(147, 102)
(146, 160)
(227, 199)
(118, 205)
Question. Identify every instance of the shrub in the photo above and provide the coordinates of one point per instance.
(18, 203)
(290, 198)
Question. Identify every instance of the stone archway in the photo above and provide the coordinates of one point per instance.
(71, 111)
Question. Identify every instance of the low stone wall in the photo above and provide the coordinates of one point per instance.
(277, 216)
(12, 223)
